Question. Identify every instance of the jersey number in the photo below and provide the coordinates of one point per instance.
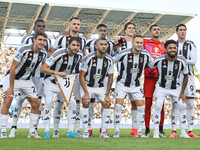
(34, 91)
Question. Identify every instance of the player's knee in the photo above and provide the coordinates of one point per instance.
(7, 102)
(92, 100)
(35, 104)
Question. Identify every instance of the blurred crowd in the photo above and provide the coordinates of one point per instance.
(6, 56)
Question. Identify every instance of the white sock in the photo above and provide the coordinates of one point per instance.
(57, 114)
(91, 110)
(182, 114)
(84, 116)
(4, 121)
(140, 117)
(106, 116)
(156, 114)
(47, 113)
(101, 116)
(190, 113)
(17, 109)
(33, 122)
(174, 115)
(134, 118)
(40, 110)
(71, 115)
(117, 116)
(77, 121)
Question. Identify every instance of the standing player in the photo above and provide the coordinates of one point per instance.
(37, 77)
(169, 67)
(133, 61)
(62, 42)
(155, 48)
(25, 61)
(188, 52)
(94, 68)
(123, 44)
(62, 62)
(101, 32)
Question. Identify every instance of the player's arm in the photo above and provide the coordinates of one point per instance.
(86, 96)
(181, 96)
(45, 69)
(51, 51)
(107, 96)
(193, 56)
(10, 91)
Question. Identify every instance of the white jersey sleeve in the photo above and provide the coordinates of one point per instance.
(193, 55)
(185, 67)
(58, 42)
(111, 69)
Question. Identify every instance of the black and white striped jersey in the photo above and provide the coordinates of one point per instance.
(28, 61)
(90, 45)
(62, 62)
(62, 41)
(131, 66)
(28, 39)
(124, 45)
(189, 51)
(96, 69)
(169, 71)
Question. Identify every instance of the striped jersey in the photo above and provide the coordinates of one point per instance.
(96, 69)
(189, 51)
(61, 61)
(62, 41)
(90, 45)
(28, 39)
(28, 61)
(169, 71)
(123, 44)
(131, 66)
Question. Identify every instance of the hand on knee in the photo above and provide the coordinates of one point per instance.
(106, 105)
(85, 103)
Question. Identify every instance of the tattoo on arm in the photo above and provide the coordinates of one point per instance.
(110, 81)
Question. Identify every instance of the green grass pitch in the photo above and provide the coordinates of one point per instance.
(126, 141)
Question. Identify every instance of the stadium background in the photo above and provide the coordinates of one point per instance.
(90, 18)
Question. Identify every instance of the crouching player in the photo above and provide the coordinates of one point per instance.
(133, 61)
(94, 68)
(62, 62)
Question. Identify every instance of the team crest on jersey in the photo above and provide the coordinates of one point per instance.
(40, 58)
(31, 54)
(176, 66)
(105, 64)
(141, 60)
(185, 48)
(156, 50)
(75, 60)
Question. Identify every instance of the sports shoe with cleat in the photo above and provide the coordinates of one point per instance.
(4, 135)
(184, 135)
(71, 134)
(33, 135)
(173, 135)
(12, 133)
(78, 132)
(85, 134)
(147, 134)
(106, 131)
(156, 135)
(104, 135)
(116, 134)
(55, 134)
(191, 134)
(133, 132)
(162, 134)
(90, 133)
(141, 134)
(47, 134)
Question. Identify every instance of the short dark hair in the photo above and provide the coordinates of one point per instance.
(154, 25)
(169, 42)
(101, 25)
(128, 23)
(100, 38)
(39, 20)
(77, 39)
(74, 18)
(137, 36)
(180, 26)
(42, 33)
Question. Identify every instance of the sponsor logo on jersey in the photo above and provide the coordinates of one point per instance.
(82, 66)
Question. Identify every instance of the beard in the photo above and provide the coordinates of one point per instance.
(172, 56)
(102, 52)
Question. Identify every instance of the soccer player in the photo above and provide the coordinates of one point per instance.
(37, 78)
(188, 52)
(62, 62)
(62, 42)
(25, 61)
(90, 45)
(133, 61)
(169, 67)
(94, 68)
(124, 44)
(155, 48)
